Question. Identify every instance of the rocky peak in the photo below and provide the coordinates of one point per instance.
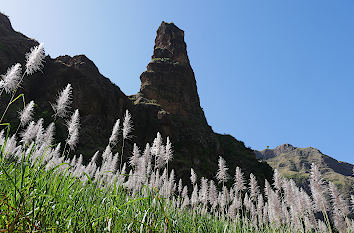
(5, 22)
(169, 43)
(79, 62)
(13, 45)
(169, 79)
(168, 103)
(284, 149)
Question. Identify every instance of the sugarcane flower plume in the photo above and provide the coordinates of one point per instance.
(168, 151)
(26, 115)
(318, 188)
(34, 59)
(127, 125)
(11, 79)
(61, 107)
(239, 180)
(221, 174)
(115, 132)
(73, 128)
(193, 176)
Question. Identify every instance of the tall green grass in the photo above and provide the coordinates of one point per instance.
(33, 199)
(43, 190)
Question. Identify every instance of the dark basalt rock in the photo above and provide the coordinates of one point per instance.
(167, 102)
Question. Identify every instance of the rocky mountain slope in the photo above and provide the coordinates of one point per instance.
(167, 102)
(293, 162)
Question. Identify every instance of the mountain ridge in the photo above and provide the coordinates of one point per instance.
(293, 162)
(168, 102)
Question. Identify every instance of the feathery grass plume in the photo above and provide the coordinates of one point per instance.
(275, 208)
(11, 79)
(266, 213)
(185, 202)
(168, 151)
(26, 115)
(184, 192)
(141, 170)
(61, 107)
(254, 189)
(127, 125)
(74, 122)
(231, 212)
(78, 167)
(318, 189)
(160, 159)
(213, 194)
(308, 225)
(301, 201)
(288, 195)
(267, 188)
(194, 197)
(147, 153)
(156, 149)
(260, 205)
(171, 181)
(193, 177)
(92, 166)
(239, 184)
(147, 159)
(55, 158)
(34, 59)
(2, 137)
(221, 174)
(339, 207)
(307, 206)
(204, 191)
(29, 133)
(231, 193)
(49, 134)
(133, 160)
(56, 151)
(222, 200)
(277, 181)
(321, 226)
(40, 132)
(10, 146)
(73, 161)
(180, 186)
(107, 153)
(115, 132)
(113, 165)
(73, 128)
(246, 201)
(127, 128)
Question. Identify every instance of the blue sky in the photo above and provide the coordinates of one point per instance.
(268, 72)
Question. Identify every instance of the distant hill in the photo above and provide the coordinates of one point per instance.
(295, 163)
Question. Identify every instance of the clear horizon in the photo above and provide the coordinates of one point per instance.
(267, 73)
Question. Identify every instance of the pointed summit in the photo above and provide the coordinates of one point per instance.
(169, 79)
(169, 43)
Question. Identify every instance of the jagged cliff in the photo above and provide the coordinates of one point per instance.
(167, 102)
(295, 163)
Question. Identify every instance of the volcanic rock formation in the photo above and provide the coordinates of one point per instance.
(167, 102)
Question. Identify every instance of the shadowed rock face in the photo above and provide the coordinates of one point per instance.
(168, 102)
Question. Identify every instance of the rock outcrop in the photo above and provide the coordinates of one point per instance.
(169, 78)
(167, 102)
